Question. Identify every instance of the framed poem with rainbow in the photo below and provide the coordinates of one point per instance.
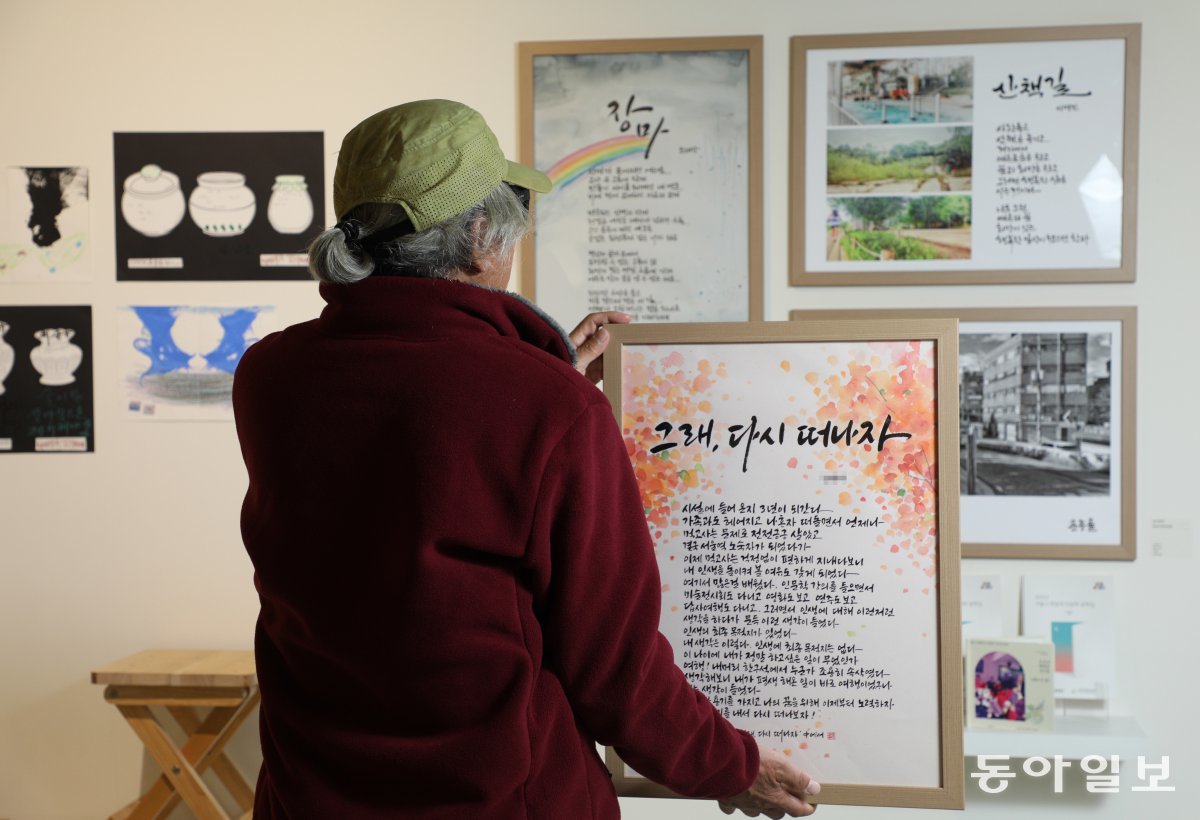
(800, 485)
(655, 151)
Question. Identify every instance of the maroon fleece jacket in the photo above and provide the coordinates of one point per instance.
(459, 595)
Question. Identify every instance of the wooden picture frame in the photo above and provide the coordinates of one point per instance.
(1122, 362)
(1024, 189)
(905, 369)
(625, 226)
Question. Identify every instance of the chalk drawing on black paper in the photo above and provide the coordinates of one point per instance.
(152, 202)
(56, 358)
(7, 356)
(221, 204)
(290, 209)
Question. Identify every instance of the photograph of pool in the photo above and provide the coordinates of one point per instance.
(903, 91)
(920, 159)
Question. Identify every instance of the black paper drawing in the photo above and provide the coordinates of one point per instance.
(46, 379)
(217, 206)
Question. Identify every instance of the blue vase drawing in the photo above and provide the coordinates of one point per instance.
(234, 341)
(158, 346)
(167, 354)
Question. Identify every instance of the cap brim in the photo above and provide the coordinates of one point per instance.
(528, 177)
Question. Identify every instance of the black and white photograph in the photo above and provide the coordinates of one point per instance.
(1036, 413)
(1047, 432)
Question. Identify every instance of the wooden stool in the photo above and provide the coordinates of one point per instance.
(183, 681)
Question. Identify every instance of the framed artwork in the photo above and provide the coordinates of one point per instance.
(805, 525)
(217, 206)
(45, 232)
(965, 157)
(655, 150)
(46, 379)
(1047, 401)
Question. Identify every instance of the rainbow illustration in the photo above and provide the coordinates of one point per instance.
(577, 163)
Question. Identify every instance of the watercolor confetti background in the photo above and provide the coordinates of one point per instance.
(867, 381)
(803, 384)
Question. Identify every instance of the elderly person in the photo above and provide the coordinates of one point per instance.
(459, 596)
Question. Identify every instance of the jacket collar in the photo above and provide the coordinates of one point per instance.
(419, 308)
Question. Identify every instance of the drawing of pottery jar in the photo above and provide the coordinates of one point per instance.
(56, 357)
(197, 332)
(6, 356)
(290, 209)
(221, 204)
(153, 201)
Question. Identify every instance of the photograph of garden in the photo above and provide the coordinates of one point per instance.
(908, 90)
(920, 159)
(880, 228)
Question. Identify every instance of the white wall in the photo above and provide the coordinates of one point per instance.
(136, 546)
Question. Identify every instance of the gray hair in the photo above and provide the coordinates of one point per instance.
(496, 224)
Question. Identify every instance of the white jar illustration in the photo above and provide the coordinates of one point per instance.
(221, 204)
(56, 358)
(6, 355)
(290, 209)
(197, 332)
(152, 203)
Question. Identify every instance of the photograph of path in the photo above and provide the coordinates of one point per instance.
(901, 91)
(920, 159)
(884, 228)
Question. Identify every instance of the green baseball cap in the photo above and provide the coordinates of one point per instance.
(434, 158)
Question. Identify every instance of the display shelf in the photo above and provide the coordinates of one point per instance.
(1073, 737)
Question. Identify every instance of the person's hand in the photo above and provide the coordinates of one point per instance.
(590, 339)
(780, 790)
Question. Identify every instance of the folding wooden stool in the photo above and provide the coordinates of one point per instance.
(185, 681)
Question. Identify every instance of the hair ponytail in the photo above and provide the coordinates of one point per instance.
(330, 260)
(497, 223)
